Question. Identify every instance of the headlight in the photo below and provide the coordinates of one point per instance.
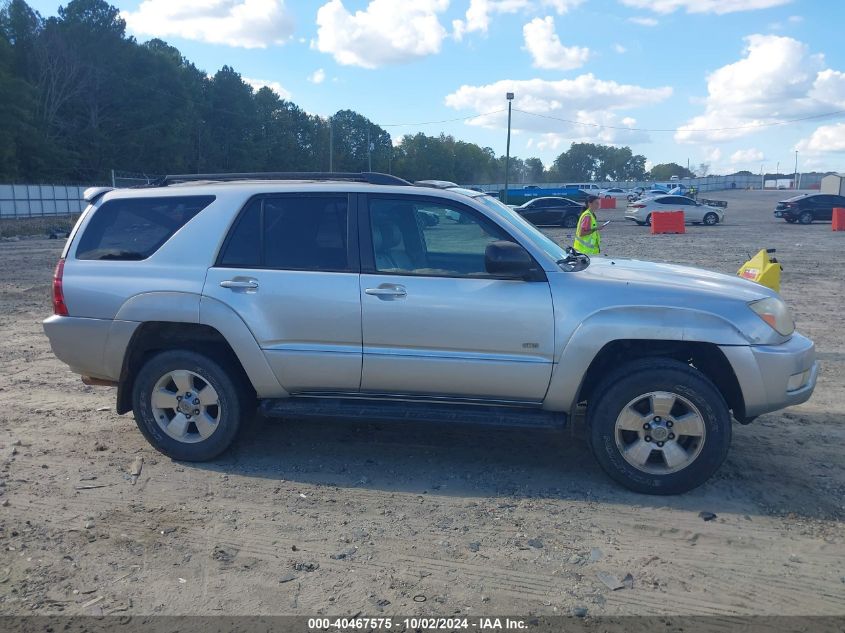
(774, 312)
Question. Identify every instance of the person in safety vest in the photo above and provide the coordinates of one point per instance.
(587, 236)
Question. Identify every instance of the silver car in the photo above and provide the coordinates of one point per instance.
(205, 296)
(694, 212)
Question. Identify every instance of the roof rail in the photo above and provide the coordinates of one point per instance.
(371, 177)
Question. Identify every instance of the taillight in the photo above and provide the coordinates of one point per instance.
(59, 306)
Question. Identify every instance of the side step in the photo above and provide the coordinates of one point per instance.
(394, 410)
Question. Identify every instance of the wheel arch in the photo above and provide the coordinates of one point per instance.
(152, 337)
(706, 357)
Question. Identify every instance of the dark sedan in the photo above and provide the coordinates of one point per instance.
(809, 207)
(551, 211)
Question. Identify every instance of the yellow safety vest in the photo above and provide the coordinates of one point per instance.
(588, 244)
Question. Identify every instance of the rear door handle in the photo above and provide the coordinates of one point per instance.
(247, 284)
(387, 292)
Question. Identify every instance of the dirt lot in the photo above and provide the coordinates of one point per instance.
(342, 518)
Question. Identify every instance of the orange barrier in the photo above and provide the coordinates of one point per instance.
(607, 203)
(838, 219)
(667, 222)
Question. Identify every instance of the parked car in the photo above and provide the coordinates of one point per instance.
(694, 212)
(324, 296)
(551, 211)
(616, 192)
(809, 207)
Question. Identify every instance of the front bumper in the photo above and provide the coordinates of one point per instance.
(773, 377)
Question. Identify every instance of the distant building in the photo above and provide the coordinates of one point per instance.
(834, 184)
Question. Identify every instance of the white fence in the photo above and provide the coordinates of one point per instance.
(37, 201)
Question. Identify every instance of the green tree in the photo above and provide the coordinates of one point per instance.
(664, 171)
(534, 171)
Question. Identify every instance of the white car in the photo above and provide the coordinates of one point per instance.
(640, 211)
(616, 192)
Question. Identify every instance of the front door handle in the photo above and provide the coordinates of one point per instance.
(245, 284)
(388, 291)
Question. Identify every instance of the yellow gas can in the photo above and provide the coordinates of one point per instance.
(763, 268)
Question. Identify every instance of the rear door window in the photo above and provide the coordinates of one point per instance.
(290, 233)
(135, 228)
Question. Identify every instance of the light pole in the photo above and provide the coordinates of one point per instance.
(795, 175)
(509, 97)
(762, 178)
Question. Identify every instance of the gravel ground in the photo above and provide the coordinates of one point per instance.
(344, 518)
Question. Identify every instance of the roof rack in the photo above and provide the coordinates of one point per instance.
(371, 177)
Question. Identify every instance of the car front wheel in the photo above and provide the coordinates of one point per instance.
(186, 405)
(711, 219)
(805, 218)
(659, 426)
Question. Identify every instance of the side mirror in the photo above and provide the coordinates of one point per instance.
(507, 259)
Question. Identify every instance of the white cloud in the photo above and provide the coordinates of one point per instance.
(796, 18)
(826, 139)
(542, 42)
(241, 23)
(778, 79)
(275, 86)
(562, 6)
(387, 32)
(745, 156)
(318, 76)
(713, 155)
(643, 21)
(620, 49)
(704, 6)
(585, 102)
(480, 12)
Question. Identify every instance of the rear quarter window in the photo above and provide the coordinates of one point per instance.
(135, 228)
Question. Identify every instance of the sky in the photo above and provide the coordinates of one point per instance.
(736, 84)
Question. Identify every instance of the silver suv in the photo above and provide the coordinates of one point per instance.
(361, 295)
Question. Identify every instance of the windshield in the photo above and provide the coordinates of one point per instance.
(548, 246)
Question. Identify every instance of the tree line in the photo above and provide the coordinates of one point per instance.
(78, 97)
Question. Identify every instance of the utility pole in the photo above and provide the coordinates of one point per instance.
(509, 97)
(369, 158)
(795, 175)
(762, 181)
(331, 145)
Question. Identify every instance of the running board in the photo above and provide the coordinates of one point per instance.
(404, 411)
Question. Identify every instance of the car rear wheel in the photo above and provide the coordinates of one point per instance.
(569, 221)
(659, 426)
(648, 219)
(711, 219)
(805, 218)
(186, 405)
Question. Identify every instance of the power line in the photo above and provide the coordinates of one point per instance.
(463, 118)
(683, 129)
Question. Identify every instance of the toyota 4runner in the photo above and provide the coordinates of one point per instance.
(331, 295)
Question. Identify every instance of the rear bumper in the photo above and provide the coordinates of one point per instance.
(91, 347)
(773, 377)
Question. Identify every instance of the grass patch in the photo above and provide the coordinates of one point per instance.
(41, 226)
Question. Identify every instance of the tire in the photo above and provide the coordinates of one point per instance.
(608, 197)
(710, 219)
(569, 221)
(648, 220)
(791, 220)
(161, 425)
(806, 217)
(634, 393)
